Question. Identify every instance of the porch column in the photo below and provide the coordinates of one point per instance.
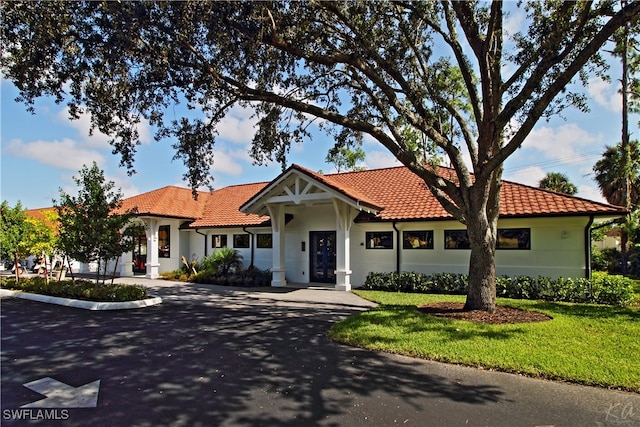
(276, 212)
(151, 226)
(343, 245)
(126, 265)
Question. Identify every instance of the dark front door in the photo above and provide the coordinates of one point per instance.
(323, 256)
(140, 252)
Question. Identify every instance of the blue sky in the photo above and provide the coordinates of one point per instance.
(41, 153)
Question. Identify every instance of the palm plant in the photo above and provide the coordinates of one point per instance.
(558, 182)
(610, 176)
(226, 260)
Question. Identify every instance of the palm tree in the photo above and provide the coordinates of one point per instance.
(610, 176)
(619, 183)
(558, 182)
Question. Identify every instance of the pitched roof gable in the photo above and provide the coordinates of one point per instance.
(223, 208)
(170, 201)
(322, 183)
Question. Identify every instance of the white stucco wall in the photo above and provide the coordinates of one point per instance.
(557, 247)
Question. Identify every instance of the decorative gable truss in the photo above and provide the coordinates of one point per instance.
(299, 186)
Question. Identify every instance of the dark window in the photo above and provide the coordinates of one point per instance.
(264, 240)
(164, 241)
(417, 239)
(218, 240)
(514, 238)
(379, 239)
(456, 239)
(240, 240)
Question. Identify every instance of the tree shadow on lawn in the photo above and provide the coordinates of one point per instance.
(243, 362)
(593, 311)
(410, 320)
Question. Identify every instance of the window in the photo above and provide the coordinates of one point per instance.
(264, 240)
(379, 239)
(417, 239)
(218, 240)
(514, 238)
(456, 239)
(240, 240)
(164, 241)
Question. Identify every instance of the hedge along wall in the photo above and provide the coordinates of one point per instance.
(601, 289)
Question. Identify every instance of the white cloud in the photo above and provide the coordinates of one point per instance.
(237, 126)
(605, 94)
(224, 162)
(528, 176)
(64, 154)
(124, 183)
(380, 159)
(590, 192)
(565, 143)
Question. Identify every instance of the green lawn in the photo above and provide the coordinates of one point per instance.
(588, 344)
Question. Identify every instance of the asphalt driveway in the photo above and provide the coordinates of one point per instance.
(210, 356)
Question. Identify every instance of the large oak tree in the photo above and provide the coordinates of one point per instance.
(375, 68)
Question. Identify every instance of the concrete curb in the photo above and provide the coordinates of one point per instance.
(86, 305)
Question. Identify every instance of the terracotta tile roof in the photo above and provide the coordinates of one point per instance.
(523, 200)
(396, 193)
(170, 201)
(222, 209)
(406, 197)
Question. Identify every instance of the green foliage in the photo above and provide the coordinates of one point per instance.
(180, 274)
(91, 228)
(601, 289)
(345, 158)
(12, 231)
(610, 174)
(607, 259)
(250, 277)
(80, 289)
(558, 182)
(222, 262)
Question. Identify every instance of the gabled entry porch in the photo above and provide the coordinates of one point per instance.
(310, 198)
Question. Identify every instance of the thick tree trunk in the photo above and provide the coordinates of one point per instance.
(482, 228)
(481, 294)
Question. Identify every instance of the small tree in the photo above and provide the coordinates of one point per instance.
(12, 231)
(558, 182)
(90, 228)
(345, 158)
(41, 238)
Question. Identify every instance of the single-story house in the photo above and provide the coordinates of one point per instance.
(337, 228)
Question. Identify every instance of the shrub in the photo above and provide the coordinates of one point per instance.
(601, 289)
(81, 289)
(251, 277)
(612, 290)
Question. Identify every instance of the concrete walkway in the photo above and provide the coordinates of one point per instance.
(213, 356)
